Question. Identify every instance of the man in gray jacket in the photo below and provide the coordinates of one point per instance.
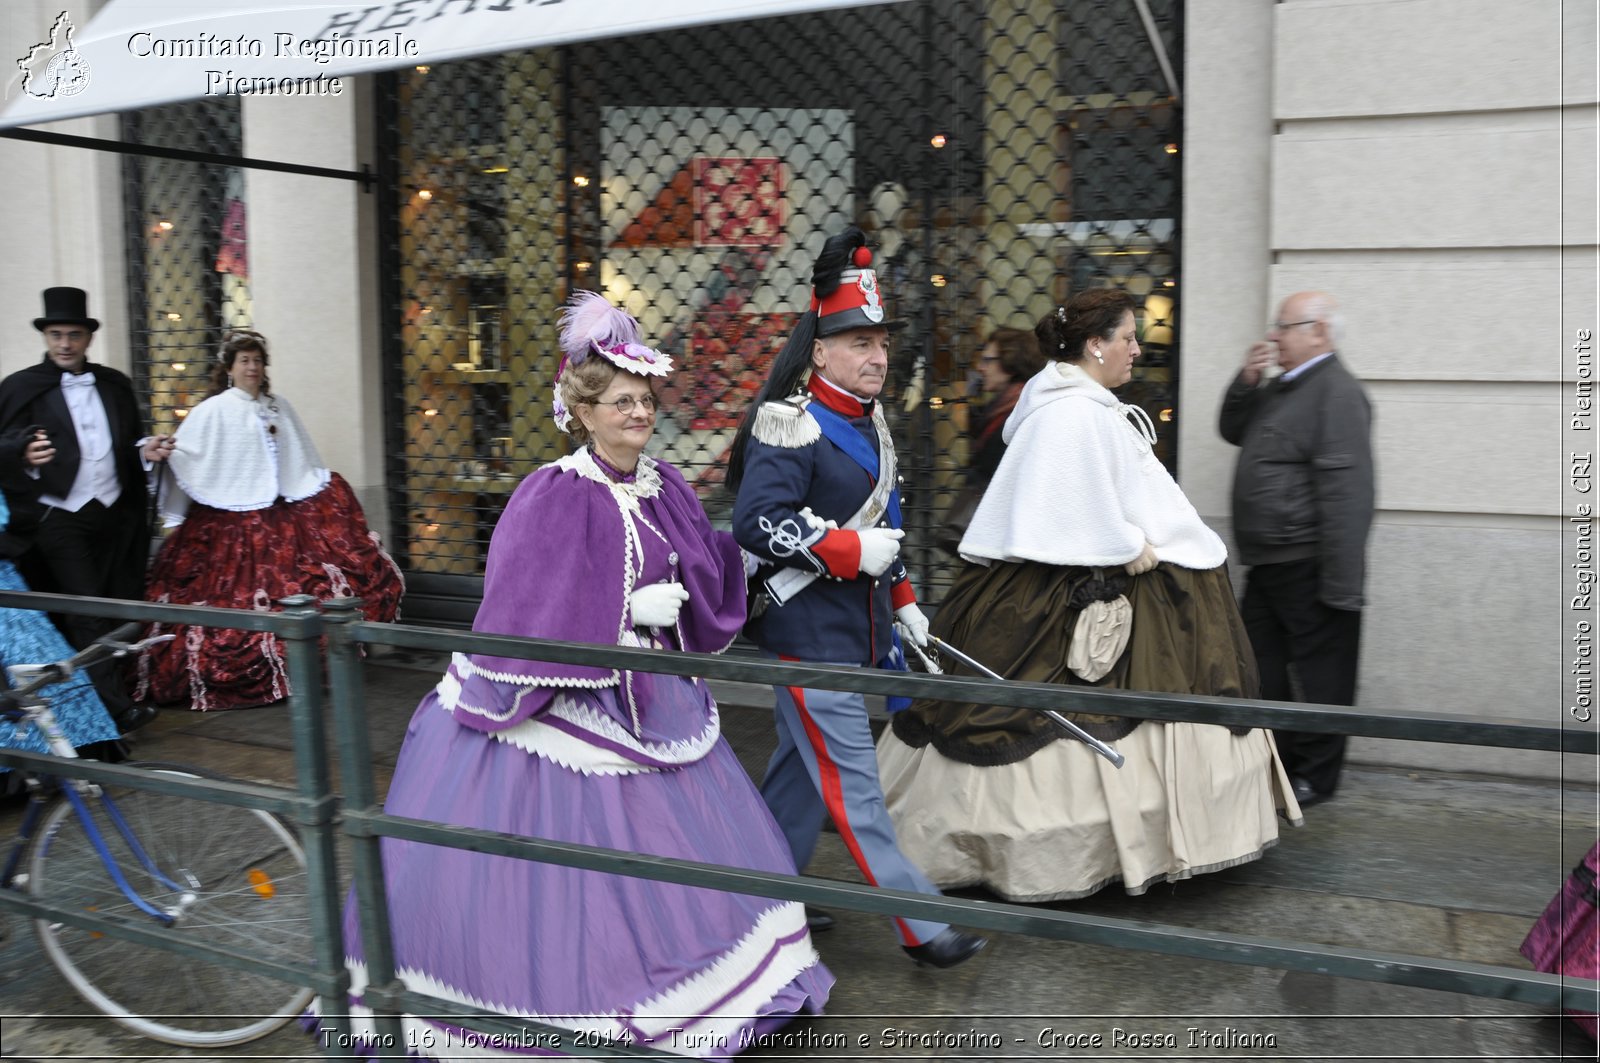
(1302, 508)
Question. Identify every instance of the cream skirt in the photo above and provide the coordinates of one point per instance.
(1064, 822)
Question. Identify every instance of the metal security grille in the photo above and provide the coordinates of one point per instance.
(188, 267)
(1001, 155)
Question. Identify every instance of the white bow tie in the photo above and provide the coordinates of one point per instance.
(77, 380)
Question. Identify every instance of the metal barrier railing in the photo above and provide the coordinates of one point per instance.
(315, 808)
(312, 806)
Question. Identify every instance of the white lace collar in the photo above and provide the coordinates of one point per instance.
(646, 478)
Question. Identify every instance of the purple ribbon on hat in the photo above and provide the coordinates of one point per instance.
(637, 358)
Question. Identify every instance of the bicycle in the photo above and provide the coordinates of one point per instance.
(228, 876)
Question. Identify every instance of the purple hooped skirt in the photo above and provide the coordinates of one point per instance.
(608, 957)
(1566, 938)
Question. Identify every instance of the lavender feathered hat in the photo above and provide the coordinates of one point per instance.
(591, 325)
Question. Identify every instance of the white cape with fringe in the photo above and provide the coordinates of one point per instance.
(240, 453)
(1081, 485)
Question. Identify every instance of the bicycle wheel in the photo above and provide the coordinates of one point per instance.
(247, 889)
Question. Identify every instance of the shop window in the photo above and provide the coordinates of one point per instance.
(989, 149)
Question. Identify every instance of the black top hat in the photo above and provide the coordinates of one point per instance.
(66, 306)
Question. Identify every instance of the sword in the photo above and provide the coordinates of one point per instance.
(1073, 729)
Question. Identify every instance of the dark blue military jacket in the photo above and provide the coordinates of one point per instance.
(789, 465)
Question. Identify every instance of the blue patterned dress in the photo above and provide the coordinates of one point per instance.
(28, 637)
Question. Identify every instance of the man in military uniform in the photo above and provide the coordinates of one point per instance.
(813, 471)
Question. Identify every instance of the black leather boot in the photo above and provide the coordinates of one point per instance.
(946, 949)
(818, 920)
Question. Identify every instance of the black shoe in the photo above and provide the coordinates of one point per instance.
(818, 920)
(1305, 794)
(948, 948)
(112, 751)
(134, 717)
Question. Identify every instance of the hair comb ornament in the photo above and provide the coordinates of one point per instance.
(1061, 318)
(233, 336)
(558, 408)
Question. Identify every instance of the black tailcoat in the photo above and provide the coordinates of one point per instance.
(33, 396)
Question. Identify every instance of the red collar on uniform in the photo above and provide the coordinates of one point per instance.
(837, 399)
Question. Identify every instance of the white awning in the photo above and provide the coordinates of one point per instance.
(140, 53)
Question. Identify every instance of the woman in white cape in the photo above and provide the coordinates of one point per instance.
(1086, 566)
(257, 518)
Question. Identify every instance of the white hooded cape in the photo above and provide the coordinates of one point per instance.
(1080, 485)
(228, 457)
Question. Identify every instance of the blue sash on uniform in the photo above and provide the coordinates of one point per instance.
(842, 434)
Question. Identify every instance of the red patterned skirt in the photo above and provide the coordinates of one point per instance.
(319, 546)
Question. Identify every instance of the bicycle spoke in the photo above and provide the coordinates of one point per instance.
(214, 854)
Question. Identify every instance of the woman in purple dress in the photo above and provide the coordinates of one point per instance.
(606, 546)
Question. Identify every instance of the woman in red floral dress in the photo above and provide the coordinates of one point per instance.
(258, 517)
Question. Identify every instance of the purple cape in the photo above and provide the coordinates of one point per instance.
(557, 570)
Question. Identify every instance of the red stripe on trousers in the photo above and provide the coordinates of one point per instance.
(833, 795)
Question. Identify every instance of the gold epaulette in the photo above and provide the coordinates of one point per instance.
(785, 424)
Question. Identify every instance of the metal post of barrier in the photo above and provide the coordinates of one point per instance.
(345, 685)
(304, 653)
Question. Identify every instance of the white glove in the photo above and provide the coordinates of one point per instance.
(916, 624)
(816, 522)
(657, 605)
(1146, 561)
(879, 548)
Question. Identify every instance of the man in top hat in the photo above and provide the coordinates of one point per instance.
(71, 470)
(813, 471)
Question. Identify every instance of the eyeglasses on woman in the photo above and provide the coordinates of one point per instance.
(625, 405)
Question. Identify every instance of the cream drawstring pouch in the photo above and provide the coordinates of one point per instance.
(1099, 638)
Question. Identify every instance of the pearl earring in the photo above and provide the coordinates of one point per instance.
(1099, 357)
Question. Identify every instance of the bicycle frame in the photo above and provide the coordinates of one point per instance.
(233, 881)
(28, 705)
(44, 721)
